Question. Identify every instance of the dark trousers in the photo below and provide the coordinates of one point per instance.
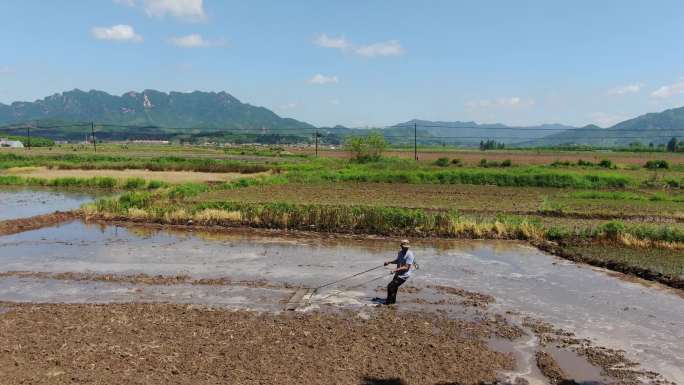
(392, 289)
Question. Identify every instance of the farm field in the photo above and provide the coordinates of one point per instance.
(464, 198)
(535, 157)
(206, 235)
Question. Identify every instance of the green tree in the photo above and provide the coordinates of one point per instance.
(366, 148)
(672, 145)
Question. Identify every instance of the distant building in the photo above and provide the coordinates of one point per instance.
(11, 143)
(150, 141)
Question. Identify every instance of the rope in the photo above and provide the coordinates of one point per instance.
(346, 278)
(350, 287)
(315, 289)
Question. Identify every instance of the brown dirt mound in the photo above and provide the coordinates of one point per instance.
(14, 226)
(470, 297)
(170, 344)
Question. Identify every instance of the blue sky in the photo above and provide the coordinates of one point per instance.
(360, 62)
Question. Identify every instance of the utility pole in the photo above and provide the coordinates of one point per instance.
(28, 135)
(316, 143)
(92, 131)
(415, 140)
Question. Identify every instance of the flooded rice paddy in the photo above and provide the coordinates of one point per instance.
(261, 269)
(22, 202)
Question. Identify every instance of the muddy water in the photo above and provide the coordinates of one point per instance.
(22, 203)
(647, 322)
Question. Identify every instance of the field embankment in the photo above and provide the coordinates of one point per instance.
(13, 226)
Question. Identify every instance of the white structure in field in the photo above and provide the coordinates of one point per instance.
(10, 143)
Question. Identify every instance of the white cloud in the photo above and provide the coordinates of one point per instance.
(385, 48)
(323, 79)
(188, 10)
(183, 9)
(289, 106)
(5, 70)
(335, 102)
(669, 90)
(604, 119)
(512, 102)
(626, 89)
(119, 32)
(332, 42)
(193, 40)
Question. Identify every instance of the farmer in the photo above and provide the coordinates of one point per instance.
(403, 271)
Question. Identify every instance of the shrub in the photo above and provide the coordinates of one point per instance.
(456, 162)
(657, 165)
(506, 163)
(442, 162)
(488, 164)
(606, 163)
(612, 229)
(559, 163)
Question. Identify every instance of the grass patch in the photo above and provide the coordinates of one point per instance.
(94, 182)
(518, 177)
(110, 162)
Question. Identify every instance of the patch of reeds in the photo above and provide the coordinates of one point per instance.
(99, 182)
(143, 205)
(517, 177)
(327, 218)
(96, 162)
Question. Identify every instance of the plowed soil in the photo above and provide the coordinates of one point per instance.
(170, 344)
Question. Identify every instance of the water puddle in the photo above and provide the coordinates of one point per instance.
(523, 351)
(577, 367)
(646, 322)
(23, 203)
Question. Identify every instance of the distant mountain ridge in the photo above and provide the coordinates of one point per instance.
(471, 133)
(218, 116)
(654, 127)
(218, 110)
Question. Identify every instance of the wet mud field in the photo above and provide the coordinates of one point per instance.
(18, 202)
(103, 303)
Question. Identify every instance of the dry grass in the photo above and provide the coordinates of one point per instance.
(165, 176)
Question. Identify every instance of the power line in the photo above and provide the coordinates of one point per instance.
(370, 129)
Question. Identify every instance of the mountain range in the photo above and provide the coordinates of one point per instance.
(158, 112)
(202, 116)
(656, 128)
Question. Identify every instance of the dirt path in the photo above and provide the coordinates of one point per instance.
(169, 344)
(166, 176)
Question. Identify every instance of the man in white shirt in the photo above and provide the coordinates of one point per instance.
(404, 262)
